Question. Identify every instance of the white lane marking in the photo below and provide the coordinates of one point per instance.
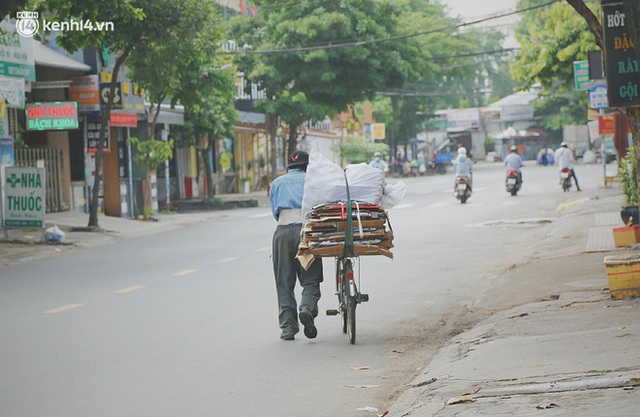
(130, 289)
(440, 204)
(185, 272)
(534, 187)
(479, 188)
(403, 206)
(424, 192)
(264, 249)
(229, 259)
(257, 216)
(63, 308)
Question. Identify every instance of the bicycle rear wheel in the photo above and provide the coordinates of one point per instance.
(351, 301)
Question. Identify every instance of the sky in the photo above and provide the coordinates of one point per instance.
(478, 8)
(475, 9)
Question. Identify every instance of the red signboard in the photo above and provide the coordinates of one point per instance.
(123, 119)
(606, 125)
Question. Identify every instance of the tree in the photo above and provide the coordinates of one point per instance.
(181, 67)
(359, 149)
(305, 84)
(551, 39)
(210, 114)
(632, 20)
(152, 153)
(137, 23)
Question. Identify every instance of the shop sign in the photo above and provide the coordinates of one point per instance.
(59, 115)
(606, 125)
(623, 78)
(123, 119)
(581, 75)
(93, 135)
(86, 91)
(24, 196)
(378, 130)
(598, 97)
(12, 91)
(105, 89)
(16, 53)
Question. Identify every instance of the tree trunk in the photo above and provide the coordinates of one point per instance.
(207, 166)
(292, 143)
(594, 24)
(272, 122)
(95, 192)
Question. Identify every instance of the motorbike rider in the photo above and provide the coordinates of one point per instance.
(513, 160)
(564, 157)
(463, 165)
(378, 162)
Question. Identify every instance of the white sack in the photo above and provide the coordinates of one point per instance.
(325, 183)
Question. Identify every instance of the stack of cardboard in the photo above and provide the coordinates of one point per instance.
(325, 231)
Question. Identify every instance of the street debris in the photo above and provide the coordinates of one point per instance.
(364, 386)
(369, 409)
(545, 406)
(460, 400)
(423, 383)
(360, 368)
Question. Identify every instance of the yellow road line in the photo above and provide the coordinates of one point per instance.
(185, 272)
(130, 289)
(63, 308)
(229, 259)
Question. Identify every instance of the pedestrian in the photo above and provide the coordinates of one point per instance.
(513, 160)
(564, 157)
(286, 202)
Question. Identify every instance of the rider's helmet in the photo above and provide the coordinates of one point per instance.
(513, 149)
(462, 150)
(564, 144)
(378, 154)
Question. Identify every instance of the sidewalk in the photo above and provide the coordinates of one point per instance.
(573, 351)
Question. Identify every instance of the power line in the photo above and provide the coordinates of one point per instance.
(375, 41)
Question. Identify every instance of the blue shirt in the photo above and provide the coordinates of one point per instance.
(513, 160)
(286, 192)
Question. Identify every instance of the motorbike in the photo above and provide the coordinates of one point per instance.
(462, 188)
(513, 182)
(565, 176)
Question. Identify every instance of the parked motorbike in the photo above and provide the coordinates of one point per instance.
(513, 182)
(462, 188)
(565, 176)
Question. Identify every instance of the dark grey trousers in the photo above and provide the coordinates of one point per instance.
(288, 271)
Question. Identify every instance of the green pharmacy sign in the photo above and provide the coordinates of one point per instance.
(59, 115)
(24, 197)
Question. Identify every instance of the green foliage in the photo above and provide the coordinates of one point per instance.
(489, 144)
(359, 149)
(551, 39)
(629, 179)
(152, 152)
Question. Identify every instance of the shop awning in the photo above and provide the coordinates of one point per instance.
(48, 57)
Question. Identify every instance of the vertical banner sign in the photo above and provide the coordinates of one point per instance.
(24, 197)
(623, 78)
(93, 135)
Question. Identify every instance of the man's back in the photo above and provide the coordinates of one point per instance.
(513, 160)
